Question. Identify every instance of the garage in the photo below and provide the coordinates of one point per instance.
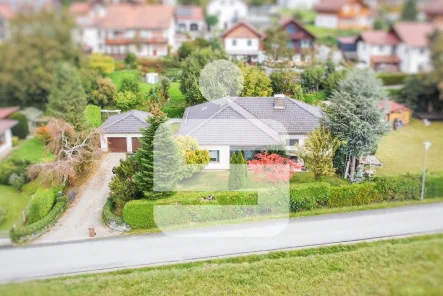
(117, 144)
(135, 144)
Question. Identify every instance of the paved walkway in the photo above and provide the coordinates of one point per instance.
(87, 207)
(95, 255)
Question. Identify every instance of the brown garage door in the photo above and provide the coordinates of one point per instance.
(117, 144)
(135, 144)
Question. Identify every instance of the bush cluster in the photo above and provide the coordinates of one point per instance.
(393, 78)
(30, 231)
(21, 130)
(41, 204)
(112, 220)
(12, 167)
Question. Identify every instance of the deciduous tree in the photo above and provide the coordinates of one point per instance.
(256, 83)
(105, 92)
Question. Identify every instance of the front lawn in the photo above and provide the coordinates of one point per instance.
(408, 266)
(328, 36)
(402, 151)
(32, 150)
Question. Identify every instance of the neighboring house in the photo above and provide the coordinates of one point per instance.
(395, 113)
(121, 28)
(35, 118)
(434, 11)
(348, 46)
(297, 4)
(301, 40)
(243, 42)
(404, 48)
(190, 19)
(343, 14)
(6, 14)
(5, 129)
(228, 12)
(121, 132)
(248, 124)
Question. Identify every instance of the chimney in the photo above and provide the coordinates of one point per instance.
(279, 101)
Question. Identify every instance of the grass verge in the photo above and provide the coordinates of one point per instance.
(409, 266)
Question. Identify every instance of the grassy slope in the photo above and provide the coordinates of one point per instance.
(12, 200)
(402, 151)
(406, 266)
(328, 36)
(174, 108)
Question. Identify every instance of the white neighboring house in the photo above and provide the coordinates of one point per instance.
(243, 42)
(5, 129)
(117, 29)
(121, 132)
(6, 14)
(343, 14)
(248, 124)
(403, 49)
(190, 19)
(228, 12)
(297, 4)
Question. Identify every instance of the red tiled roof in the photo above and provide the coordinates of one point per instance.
(392, 59)
(414, 33)
(141, 16)
(6, 124)
(390, 106)
(80, 7)
(6, 11)
(434, 8)
(243, 24)
(194, 13)
(7, 111)
(379, 38)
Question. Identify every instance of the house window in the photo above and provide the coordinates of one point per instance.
(305, 43)
(422, 51)
(181, 27)
(234, 42)
(214, 155)
(249, 42)
(291, 29)
(293, 142)
(194, 27)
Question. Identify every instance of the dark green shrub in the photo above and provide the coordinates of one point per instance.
(139, 214)
(354, 195)
(434, 185)
(393, 78)
(12, 166)
(173, 74)
(399, 187)
(309, 196)
(21, 130)
(17, 181)
(33, 230)
(93, 115)
(41, 203)
(112, 220)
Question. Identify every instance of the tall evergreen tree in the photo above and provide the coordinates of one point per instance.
(158, 158)
(410, 11)
(237, 174)
(67, 99)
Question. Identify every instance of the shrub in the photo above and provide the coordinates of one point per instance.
(93, 115)
(309, 196)
(12, 166)
(102, 63)
(43, 133)
(399, 187)
(2, 215)
(139, 214)
(173, 74)
(130, 84)
(393, 78)
(354, 195)
(17, 181)
(15, 141)
(41, 204)
(33, 230)
(113, 221)
(434, 185)
(127, 100)
(151, 65)
(284, 82)
(21, 130)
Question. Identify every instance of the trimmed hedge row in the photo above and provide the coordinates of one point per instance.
(41, 204)
(393, 78)
(30, 231)
(113, 221)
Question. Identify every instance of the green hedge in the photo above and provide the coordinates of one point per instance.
(354, 195)
(113, 221)
(399, 187)
(12, 166)
(33, 230)
(41, 204)
(21, 130)
(309, 196)
(392, 78)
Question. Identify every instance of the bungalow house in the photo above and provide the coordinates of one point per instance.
(301, 40)
(243, 42)
(343, 14)
(248, 124)
(120, 133)
(396, 114)
(5, 129)
(404, 48)
(434, 11)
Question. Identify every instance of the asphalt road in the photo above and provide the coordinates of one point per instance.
(38, 261)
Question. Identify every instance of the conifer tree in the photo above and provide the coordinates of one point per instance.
(158, 158)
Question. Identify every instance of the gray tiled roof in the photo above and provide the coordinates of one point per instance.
(126, 123)
(223, 122)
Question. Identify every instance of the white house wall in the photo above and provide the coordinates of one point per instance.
(242, 46)
(8, 142)
(366, 51)
(224, 157)
(324, 20)
(227, 12)
(414, 59)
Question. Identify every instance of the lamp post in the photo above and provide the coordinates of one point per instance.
(427, 146)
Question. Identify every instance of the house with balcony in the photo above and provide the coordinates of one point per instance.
(228, 12)
(243, 42)
(301, 40)
(248, 124)
(343, 14)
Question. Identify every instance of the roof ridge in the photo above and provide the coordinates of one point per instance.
(297, 102)
(203, 122)
(129, 113)
(139, 118)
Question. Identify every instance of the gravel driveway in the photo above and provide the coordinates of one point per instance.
(87, 208)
